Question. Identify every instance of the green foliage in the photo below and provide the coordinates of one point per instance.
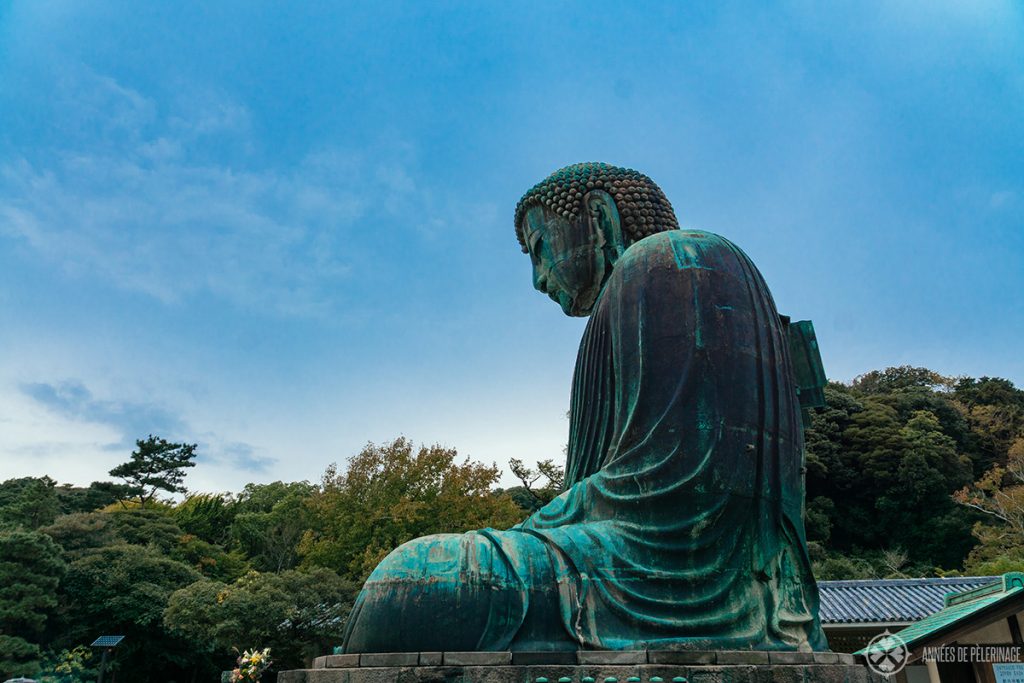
(529, 496)
(829, 566)
(818, 516)
(526, 500)
(886, 456)
(98, 494)
(999, 494)
(18, 657)
(908, 473)
(270, 521)
(123, 566)
(297, 614)
(30, 571)
(208, 517)
(156, 465)
(883, 459)
(211, 560)
(83, 531)
(897, 379)
(892, 563)
(142, 526)
(69, 666)
(126, 560)
(1000, 550)
(80, 532)
(29, 502)
(392, 493)
(124, 589)
(994, 408)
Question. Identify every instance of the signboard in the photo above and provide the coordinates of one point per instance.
(1008, 673)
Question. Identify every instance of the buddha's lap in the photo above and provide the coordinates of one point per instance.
(456, 592)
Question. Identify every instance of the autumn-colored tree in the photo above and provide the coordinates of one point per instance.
(999, 494)
(994, 410)
(392, 493)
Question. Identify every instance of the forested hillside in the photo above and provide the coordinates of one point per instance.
(911, 473)
(908, 474)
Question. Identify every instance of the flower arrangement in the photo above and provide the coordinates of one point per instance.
(251, 665)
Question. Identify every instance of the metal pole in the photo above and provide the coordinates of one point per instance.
(103, 664)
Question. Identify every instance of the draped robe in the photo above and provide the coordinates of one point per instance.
(681, 523)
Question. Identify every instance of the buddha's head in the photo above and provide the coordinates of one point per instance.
(576, 223)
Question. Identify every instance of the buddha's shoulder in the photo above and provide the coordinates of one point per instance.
(679, 248)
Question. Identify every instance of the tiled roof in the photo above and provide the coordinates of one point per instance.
(962, 609)
(890, 600)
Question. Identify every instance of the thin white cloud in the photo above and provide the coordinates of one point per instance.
(35, 440)
(142, 207)
(72, 399)
(65, 430)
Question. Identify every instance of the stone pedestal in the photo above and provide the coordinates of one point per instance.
(639, 666)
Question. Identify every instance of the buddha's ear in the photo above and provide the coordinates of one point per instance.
(603, 218)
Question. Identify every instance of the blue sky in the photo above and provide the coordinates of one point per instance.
(285, 229)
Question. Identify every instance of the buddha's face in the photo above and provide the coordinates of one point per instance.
(568, 262)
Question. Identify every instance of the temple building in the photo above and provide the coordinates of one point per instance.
(945, 630)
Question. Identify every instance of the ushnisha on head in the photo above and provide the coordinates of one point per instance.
(575, 224)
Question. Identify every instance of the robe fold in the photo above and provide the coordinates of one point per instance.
(681, 523)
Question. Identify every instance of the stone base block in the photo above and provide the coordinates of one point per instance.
(613, 668)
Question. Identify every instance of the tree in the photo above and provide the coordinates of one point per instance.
(999, 494)
(124, 589)
(208, 517)
(888, 451)
(145, 526)
(97, 495)
(30, 570)
(828, 566)
(123, 565)
(916, 505)
(994, 409)
(270, 521)
(83, 531)
(68, 666)
(29, 501)
(294, 613)
(156, 465)
(553, 475)
(818, 518)
(392, 493)
(80, 532)
(210, 559)
(897, 379)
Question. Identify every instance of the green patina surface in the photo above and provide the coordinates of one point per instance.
(959, 609)
(680, 525)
